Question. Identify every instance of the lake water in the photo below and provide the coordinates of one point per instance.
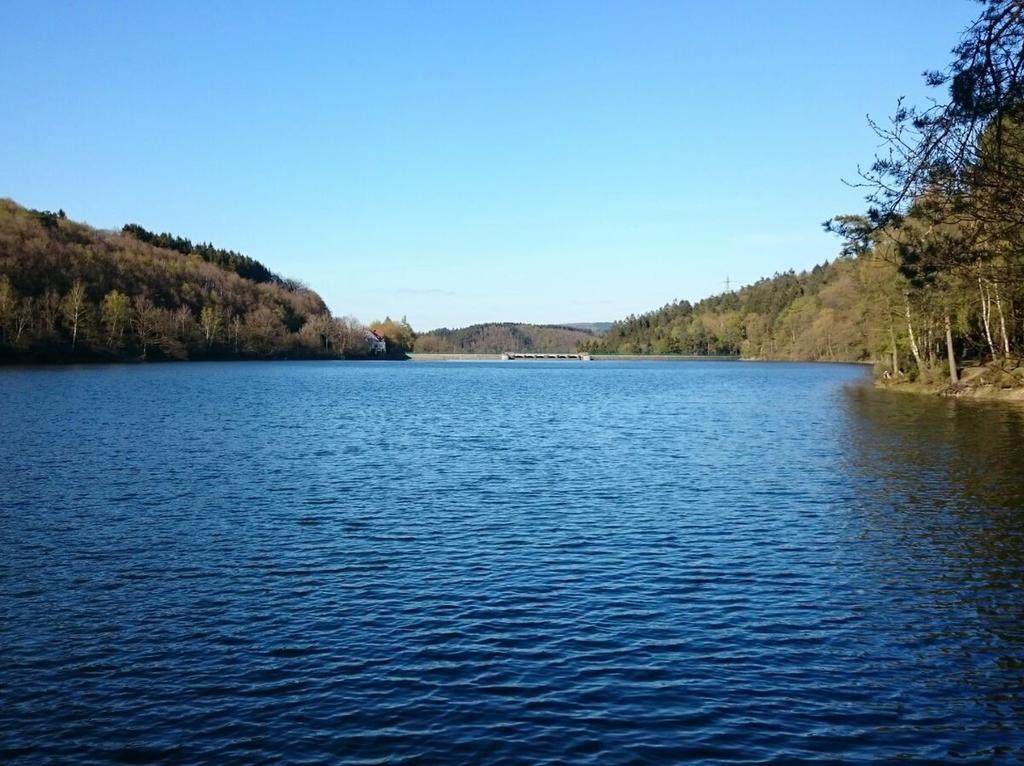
(517, 562)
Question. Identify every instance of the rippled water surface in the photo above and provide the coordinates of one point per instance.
(517, 562)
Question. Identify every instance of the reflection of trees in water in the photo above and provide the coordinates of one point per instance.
(945, 450)
(939, 522)
(944, 472)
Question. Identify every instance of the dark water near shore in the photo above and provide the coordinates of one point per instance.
(514, 562)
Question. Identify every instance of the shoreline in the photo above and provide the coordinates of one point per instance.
(420, 357)
(410, 357)
(1001, 381)
(975, 393)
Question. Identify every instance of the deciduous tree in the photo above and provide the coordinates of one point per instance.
(116, 315)
(75, 310)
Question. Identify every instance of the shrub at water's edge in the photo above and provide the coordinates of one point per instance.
(69, 292)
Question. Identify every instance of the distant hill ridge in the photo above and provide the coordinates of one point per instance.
(499, 337)
(598, 328)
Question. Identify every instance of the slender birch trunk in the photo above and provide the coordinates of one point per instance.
(986, 314)
(74, 310)
(950, 353)
(910, 332)
(1002, 320)
(895, 353)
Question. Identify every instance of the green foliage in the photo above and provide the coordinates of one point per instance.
(946, 199)
(812, 315)
(115, 315)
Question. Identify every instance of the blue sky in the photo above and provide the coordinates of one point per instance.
(460, 162)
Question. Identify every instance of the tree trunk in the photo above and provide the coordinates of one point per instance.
(895, 353)
(986, 313)
(1002, 321)
(950, 353)
(910, 332)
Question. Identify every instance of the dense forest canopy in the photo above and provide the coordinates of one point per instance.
(68, 291)
(496, 338)
(820, 314)
(228, 260)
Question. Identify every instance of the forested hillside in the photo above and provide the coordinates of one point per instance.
(228, 260)
(71, 292)
(822, 314)
(932, 272)
(498, 338)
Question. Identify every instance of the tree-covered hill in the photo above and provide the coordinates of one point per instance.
(817, 314)
(496, 338)
(863, 306)
(72, 292)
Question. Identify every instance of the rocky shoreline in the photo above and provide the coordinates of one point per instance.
(1001, 380)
